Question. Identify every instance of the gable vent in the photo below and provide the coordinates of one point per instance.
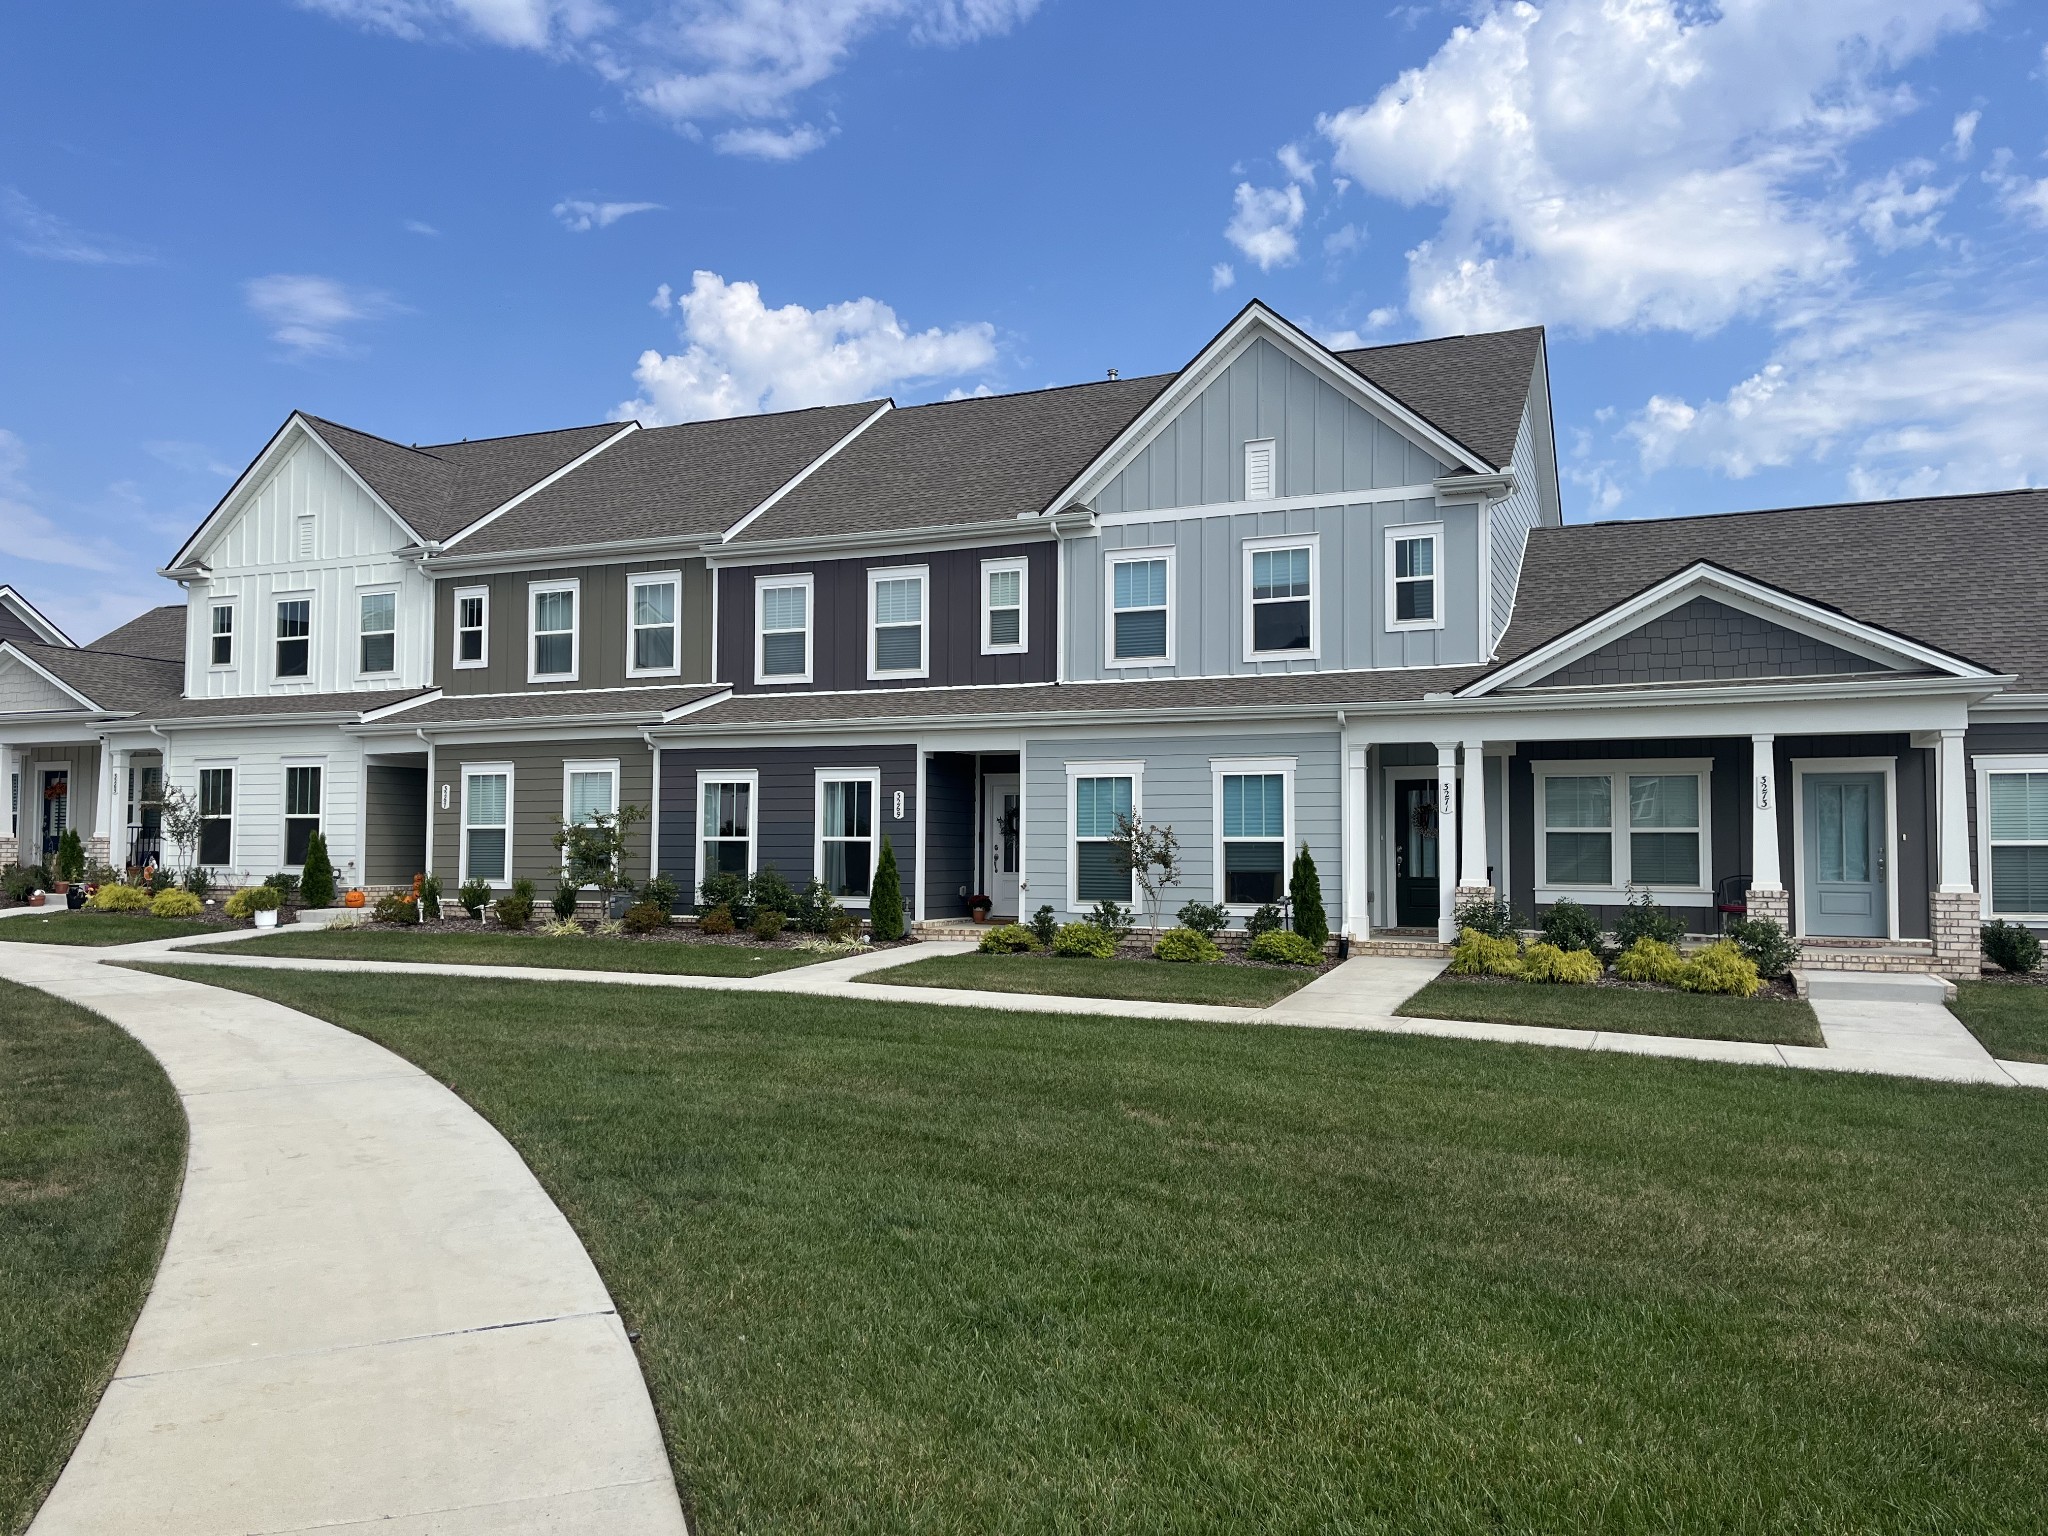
(302, 539)
(1258, 470)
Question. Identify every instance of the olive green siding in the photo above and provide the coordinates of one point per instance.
(396, 845)
(537, 801)
(601, 619)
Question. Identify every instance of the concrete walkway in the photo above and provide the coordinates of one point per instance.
(369, 1312)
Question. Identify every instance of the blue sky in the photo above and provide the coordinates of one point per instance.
(1788, 250)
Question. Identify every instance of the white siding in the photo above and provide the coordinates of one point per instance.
(258, 755)
(23, 692)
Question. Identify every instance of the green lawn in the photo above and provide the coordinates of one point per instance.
(61, 927)
(1702, 1016)
(669, 957)
(1241, 986)
(2010, 1018)
(902, 1269)
(92, 1147)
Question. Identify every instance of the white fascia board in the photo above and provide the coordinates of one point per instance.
(942, 536)
(808, 470)
(683, 711)
(34, 618)
(401, 706)
(1253, 321)
(1704, 578)
(7, 650)
(541, 484)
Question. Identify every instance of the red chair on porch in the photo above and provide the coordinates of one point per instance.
(1731, 898)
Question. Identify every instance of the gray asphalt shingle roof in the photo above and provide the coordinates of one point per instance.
(114, 682)
(159, 633)
(342, 704)
(567, 704)
(1470, 388)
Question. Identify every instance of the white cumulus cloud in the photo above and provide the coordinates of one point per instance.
(308, 314)
(739, 356)
(760, 143)
(1221, 276)
(1267, 224)
(579, 214)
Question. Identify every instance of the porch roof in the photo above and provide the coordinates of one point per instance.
(645, 704)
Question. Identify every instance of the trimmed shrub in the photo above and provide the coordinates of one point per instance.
(885, 899)
(250, 900)
(1484, 954)
(1305, 890)
(70, 856)
(1084, 941)
(1009, 939)
(813, 908)
(429, 888)
(1646, 920)
(176, 904)
(662, 891)
(1185, 946)
(1203, 917)
(1266, 919)
(841, 927)
(768, 925)
(119, 898)
(198, 882)
(1113, 920)
(515, 910)
(283, 882)
(1769, 947)
(397, 907)
(717, 922)
(771, 893)
(1720, 967)
(2011, 947)
(316, 875)
(23, 880)
(1488, 915)
(1567, 925)
(474, 896)
(730, 891)
(1561, 967)
(1043, 925)
(564, 901)
(1650, 960)
(1283, 948)
(645, 917)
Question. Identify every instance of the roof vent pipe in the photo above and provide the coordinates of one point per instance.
(1112, 373)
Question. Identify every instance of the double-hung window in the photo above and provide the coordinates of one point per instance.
(221, 643)
(896, 622)
(216, 816)
(1280, 597)
(1664, 830)
(1415, 578)
(782, 629)
(725, 818)
(2014, 822)
(294, 636)
(554, 631)
(378, 632)
(1002, 606)
(301, 810)
(472, 626)
(487, 822)
(1101, 794)
(1140, 595)
(846, 830)
(1252, 830)
(589, 789)
(1612, 827)
(654, 645)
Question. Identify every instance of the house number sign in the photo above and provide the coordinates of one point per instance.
(1763, 791)
(1446, 797)
(898, 807)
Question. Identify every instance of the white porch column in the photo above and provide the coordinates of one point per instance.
(1955, 818)
(114, 770)
(1763, 827)
(1446, 841)
(10, 765)
(1357, 847)
(1472, 874)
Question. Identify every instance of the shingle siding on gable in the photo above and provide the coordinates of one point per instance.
(1708, 639)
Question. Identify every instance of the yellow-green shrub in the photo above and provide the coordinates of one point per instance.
(1562, 967)
(176, 904)
(1008, 939)
(1479, 954)
(1720, 967)
(1650, 960)
(119, 898)
(1283, 948)
(1186, 947)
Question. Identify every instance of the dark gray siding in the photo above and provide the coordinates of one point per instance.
(949, 833)
(600, 615)
(396, 799)
(839, 625)
(1706, 639)
(785, 818)
(13, 627)
(537, 802)
(2005, 736)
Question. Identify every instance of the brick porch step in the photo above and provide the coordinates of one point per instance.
(1891, 955)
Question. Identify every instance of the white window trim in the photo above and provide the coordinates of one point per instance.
(1111, 559)
(762, 584)
(922, 575)
(285, 817)
(397, 662)
(1221, 768)
(750, 777)
(607, 765)
(1985, 766)
(233, 818)
(871, 776)
(1313, 544)
(1618, 769)
(462, 824)
(1887, 767)
(312, 622)
(634, 583)
(1133, 770)
(990, 568)
(1272, 448)
(534, 591)
(1416, 531)
(456, 629)
(233, 606)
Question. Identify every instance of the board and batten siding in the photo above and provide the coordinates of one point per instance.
(603, 624)
(839, 623)
(1178, 790)
(538, 803)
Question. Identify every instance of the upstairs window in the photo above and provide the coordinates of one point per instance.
(378, 633)
(216, 816)
(1254, 837)
(896, 622)
(656, 624)
(554, 632)
(301, 810)
(1258, 470)
(1139, 628)
(221, 644)
(1099, 800)
(294, 636)
(783, 630)
(1281, 597)
(1414, 579)
(472, 623)
(1002, 606)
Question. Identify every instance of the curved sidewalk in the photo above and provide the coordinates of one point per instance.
(369, 1312)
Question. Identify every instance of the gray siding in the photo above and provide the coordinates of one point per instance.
(1323, 442)
(1178, 791)
(81, 801)
(787, 815)
(396, 843)
(1512, 518)
(1706, 639)
(839, 623)
(537, 802)
(14, 627)
(2003, 737)
(601, 619)
(949, 833)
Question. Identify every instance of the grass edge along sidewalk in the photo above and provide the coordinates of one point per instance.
(902, 1268)
(2009, 1018)
(92, 1155)
(672, 957)
(1224, 986)
(98, 929)
(1621, 1010)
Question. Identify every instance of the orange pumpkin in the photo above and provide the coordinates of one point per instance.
(353, 899)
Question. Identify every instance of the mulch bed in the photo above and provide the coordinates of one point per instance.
(1780, 990)
(675, 933)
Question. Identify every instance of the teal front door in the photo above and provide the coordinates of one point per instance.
(1846, 836)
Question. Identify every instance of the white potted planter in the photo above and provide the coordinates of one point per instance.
(265, 919)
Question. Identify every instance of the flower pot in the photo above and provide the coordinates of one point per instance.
(74, 898)
(266, 919)
(35, 898)
(61, 887)
(979, 914)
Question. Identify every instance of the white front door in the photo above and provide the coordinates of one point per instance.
(1001, 805)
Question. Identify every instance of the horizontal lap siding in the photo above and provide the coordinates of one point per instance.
(2002, 738)
(396, 834)
(258, 756)
(537, 802)
(949, 833)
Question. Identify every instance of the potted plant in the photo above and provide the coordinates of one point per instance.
(979, 907)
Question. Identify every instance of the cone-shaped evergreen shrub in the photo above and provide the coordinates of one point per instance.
(1306, 889)
(885, 898)
(316, 878)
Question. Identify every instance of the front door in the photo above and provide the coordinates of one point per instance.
(1002, 815)
(1846, 835)
(56, 808)
(1415, 862)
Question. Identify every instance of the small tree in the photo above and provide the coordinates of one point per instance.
(594, 851)
(316, 875)
(1151, 853)
(178, 817)
(885, 898)
(70, 857)
(1305, 890)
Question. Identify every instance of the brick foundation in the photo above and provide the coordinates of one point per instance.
(1957, 920)
(1776, 905)
(9, 851)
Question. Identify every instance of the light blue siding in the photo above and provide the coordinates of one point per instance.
(1514, 516)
